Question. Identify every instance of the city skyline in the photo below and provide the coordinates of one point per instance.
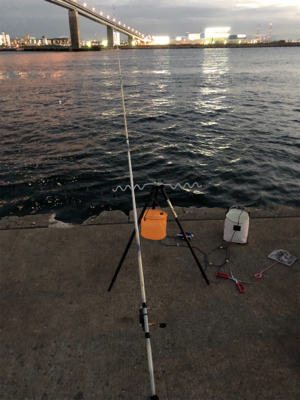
(172, 18)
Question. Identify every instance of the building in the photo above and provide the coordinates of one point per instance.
(216, 35)
(237, 39)
(60, 41)
(160, 40)
(220, 35)
(5, 40)
(191, 38)
(28, 40)
(194, 36)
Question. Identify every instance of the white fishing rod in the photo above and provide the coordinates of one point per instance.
(139, 253)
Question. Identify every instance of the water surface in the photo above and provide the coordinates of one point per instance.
(228, 119)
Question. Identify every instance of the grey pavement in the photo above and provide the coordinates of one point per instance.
(64, 336)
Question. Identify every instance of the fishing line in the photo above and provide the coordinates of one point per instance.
(208, 263)
(206, 256)
(177, 185)
(137, 237)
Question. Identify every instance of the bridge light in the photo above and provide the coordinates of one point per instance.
(129, 27)
(124, 26)
(136, 31)
(119, 22)
(114, 19)
(107, 17)
(84, 4)
(101, 13)
(94, 9)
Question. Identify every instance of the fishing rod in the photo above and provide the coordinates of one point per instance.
(143, 310)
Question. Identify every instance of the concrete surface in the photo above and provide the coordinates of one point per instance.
(63, 336)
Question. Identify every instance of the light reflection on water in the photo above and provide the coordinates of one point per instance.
(193, 115)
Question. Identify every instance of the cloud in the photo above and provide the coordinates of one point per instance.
(248, 5)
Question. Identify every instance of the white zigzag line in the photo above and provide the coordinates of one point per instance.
(178, 185)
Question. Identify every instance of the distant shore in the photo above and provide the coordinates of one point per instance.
(154, 47)
(217, 45)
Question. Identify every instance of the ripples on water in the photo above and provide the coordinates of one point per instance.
(226, 118)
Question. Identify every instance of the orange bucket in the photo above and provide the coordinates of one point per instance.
(154, 225)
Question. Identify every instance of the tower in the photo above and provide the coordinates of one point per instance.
(258, 33)
(270, 32)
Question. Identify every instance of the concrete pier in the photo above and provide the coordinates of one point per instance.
(110, 36)
(130, 40)
(64, 336)
(74, 29)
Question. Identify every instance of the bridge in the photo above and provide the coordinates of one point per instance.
(76, 9)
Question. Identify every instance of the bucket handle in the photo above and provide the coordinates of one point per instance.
(146, 213)
(148, 208)
(238, 208)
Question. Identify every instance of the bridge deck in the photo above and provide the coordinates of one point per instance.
(71, 5)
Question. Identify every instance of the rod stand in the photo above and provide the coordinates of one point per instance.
(155, 189)
(143, 312)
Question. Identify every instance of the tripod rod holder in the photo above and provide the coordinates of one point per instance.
(130, 240)
(183, 233)
(156, 187)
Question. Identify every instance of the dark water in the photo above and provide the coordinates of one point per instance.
(226, 118)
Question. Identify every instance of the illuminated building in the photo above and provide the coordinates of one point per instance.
(216, 35)
(5, 40)
(160, 40)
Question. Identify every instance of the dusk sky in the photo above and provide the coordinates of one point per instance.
(156, 17)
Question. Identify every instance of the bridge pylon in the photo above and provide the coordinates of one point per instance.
(110, 36)
(130, 40)
(74, 29)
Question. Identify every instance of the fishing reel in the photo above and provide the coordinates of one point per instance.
(142, 323)
(188, 235)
